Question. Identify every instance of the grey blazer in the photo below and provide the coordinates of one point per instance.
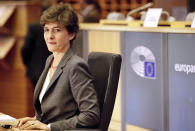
(70, 101)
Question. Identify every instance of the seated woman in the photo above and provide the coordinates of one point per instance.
(64, 96)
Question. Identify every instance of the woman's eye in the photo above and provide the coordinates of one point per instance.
(56, 30)
(46, 30)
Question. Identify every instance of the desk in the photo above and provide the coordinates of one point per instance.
(163, 98)
(15, 129)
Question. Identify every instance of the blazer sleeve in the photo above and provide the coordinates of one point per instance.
(85, 95)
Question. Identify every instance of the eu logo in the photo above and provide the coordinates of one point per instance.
(149, 69)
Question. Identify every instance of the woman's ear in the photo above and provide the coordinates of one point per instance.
(71, 36)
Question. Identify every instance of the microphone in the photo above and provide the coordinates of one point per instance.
(129, 17)
(120, 16)
(140, 8)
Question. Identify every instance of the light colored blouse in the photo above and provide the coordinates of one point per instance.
(45, 86)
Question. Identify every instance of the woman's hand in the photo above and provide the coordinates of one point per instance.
(22, 121)
(34, 124)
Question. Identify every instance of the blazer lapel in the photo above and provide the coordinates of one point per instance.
(59, 70)
(42, 79)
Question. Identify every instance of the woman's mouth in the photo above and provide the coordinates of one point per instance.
(52, 43)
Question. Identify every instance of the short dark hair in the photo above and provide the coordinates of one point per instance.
(63, 14)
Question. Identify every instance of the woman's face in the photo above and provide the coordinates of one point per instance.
(57, 37)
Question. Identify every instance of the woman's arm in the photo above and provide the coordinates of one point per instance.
(86, 98)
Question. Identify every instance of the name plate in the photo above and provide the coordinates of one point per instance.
(193, 23)
(152, 17)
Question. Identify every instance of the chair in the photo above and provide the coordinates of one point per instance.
(105, 68)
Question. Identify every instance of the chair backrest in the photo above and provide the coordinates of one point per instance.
(105, 68)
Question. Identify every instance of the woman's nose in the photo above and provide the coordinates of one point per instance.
(51, 35)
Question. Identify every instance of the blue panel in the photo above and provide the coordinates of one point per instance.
(143, 79)
(181, 82)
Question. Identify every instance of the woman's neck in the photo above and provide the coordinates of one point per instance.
(57, 59)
